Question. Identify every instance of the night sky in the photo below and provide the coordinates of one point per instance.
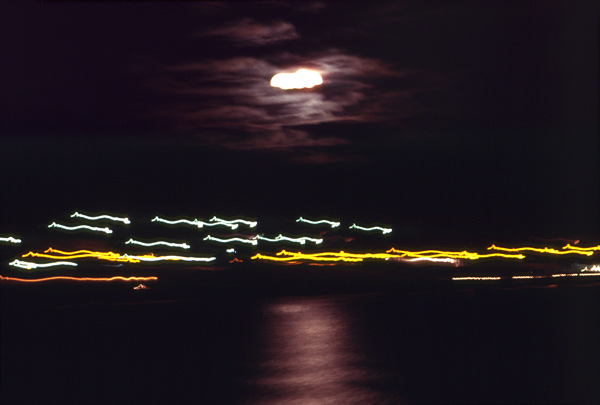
(461, 119)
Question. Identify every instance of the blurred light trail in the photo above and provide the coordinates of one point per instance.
(10, 239)
(526, 277)
(284, 256)
(544, 250)
(141, 287)
(373, 228)
(197, 223)
(251, 224)
(179, 245)
(231, 250)
(73, 228)
(111, 256)
(301, 240)
(432, 259)
(301, 79)
(125, 220)
(452, 255)
(589, 274)
(568, 246)
(595, 267)
(30, 265)
(152, 258)
(566, 275)
(322, 221)
(475, 278)
(231, 240)
(115, 278)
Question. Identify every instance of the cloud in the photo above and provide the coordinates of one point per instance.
(233, 100)
(248, 32)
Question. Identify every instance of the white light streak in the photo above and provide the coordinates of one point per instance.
(323, 221)
(251, 224)
(10, 239)
(595, 267)
(161, 258)
(373, 228)
(125, 220)
(30, 265)
(195, 222)
(179, 245)
(301, 240)
(231, 240)
(432, 259)
(73, 228)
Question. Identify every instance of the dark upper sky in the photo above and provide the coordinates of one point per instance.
(461, 117)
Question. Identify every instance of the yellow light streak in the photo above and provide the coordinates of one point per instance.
(453, 255)
(74, 228)
(476, 278)
(125, 220)
(568, 246)
(285, 256)
(538, 250)
(111, 256)
(115, 278)
(526, 277)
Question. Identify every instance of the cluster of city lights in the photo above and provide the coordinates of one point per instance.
(54, 258)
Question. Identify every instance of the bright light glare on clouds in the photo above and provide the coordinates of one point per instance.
(230, 103)
(301, 79)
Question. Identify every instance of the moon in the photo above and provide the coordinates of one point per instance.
(301, 79)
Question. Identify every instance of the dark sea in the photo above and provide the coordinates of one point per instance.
(248, 337)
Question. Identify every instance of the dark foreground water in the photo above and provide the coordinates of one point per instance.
(237, 343)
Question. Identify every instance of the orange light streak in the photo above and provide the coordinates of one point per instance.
(544, 250)
(115, 278)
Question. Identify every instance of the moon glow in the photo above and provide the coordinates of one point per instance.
(301, 79)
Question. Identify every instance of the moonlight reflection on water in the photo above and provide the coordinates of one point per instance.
(312, 355)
